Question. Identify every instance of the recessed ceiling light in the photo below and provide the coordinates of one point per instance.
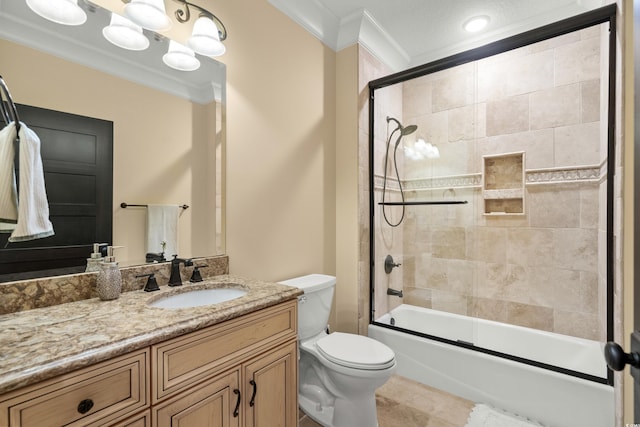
(476, 23)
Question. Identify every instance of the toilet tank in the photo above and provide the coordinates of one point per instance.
(315, 305)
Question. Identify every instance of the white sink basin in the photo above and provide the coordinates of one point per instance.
(198, 298)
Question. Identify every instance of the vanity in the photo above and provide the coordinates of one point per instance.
(128, 363)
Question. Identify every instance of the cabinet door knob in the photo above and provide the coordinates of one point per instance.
(617, 359)
(253, 396)
(236, 411)
(85, 406)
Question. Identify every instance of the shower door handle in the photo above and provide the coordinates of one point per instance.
(617, 359)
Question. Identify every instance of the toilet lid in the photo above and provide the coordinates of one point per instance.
(355, 351)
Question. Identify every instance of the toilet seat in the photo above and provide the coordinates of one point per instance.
(355, 351)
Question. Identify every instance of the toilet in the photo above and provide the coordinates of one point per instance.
(338, 372)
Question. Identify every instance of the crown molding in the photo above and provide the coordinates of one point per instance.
(359, 27)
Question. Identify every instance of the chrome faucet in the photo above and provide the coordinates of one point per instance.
(395, 292)
(175, 279)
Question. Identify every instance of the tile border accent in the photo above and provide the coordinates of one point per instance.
(563, 175)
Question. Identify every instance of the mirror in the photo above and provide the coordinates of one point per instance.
(168, 125)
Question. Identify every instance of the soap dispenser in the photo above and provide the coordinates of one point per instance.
(109, 282)
(97, 256)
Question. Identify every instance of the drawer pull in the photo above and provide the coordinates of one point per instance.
(236, 411)
(85, 406)
(253, 396)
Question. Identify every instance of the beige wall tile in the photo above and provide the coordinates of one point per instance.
(487, 244)
(589, 206)
(434, 128)
(578, 61)
(580, 325)
(418, 297)
(576, 249)
(507, 116)
(577, 145)
(590, 100)
(449, 302)
(461, 276)
(538, 146)
(449, 243)
(530, 73)
(554, 206)
(530, 316)
(462, 123)
(559, 106)
(417, 98)
(529, 246)
(488, 308)
(456, 89)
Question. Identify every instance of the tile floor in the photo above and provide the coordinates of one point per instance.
(405, 403)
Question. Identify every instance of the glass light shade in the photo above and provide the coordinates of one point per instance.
(476, 23)
(149, 14)
(66, 12)
(125, 34)
(205, 38)
(180, 57)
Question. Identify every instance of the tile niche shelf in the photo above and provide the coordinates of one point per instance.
(503, 184)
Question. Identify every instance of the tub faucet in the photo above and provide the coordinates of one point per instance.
(176, 279)
(395, 292)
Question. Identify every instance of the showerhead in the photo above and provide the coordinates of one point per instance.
(403, 130)
(408, 130)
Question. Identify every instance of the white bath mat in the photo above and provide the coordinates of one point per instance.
(486, 416)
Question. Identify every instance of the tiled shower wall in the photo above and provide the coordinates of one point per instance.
(544, 269)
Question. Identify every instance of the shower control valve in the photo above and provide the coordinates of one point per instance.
(389, 265)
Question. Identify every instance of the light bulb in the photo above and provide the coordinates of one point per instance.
(125, 34)
(180, 57)
(149, 14)
(66, 12)
(476, 23)
(205, 38)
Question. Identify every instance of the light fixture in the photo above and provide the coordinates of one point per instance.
(476, 23)
(180, 57)
(205, 38)
(126, 31)
(66, 12)
(125, 34)
(149, 14)
(208, 31)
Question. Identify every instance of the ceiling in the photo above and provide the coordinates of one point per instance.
(406, 33)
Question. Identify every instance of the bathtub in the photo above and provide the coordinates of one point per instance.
(552, 398)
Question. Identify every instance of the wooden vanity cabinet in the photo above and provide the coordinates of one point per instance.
(99, 395)
(271, 388)
(241, 372)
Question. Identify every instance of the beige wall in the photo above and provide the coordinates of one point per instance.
(347, 184)
(163, 145)
(281, 144)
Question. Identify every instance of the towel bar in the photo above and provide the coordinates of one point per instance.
(125, 205)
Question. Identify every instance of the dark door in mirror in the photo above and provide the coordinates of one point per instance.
(77, 157)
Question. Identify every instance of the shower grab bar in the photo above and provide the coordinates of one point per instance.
(431, 202)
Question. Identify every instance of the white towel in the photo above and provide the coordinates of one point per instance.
(162, 226)
(33, 207)
(8, 194)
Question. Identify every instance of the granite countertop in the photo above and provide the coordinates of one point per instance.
(41, 343)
